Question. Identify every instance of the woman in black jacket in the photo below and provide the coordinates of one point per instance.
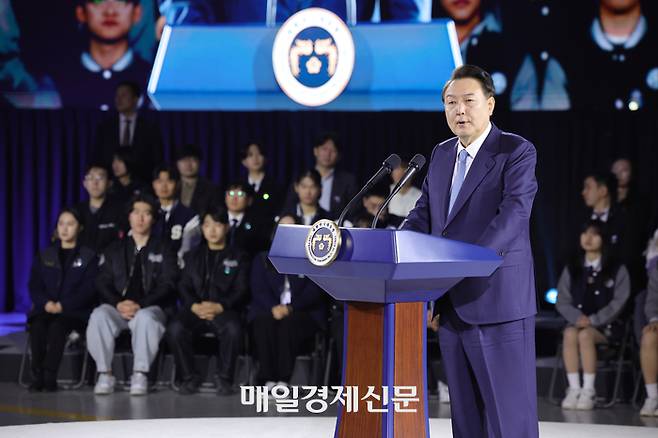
(62, 290)
(285, 313)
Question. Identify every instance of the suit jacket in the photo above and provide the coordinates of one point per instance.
(342, 190)
(492, 210)
(204, 196)
(71, 285)
(147, 144)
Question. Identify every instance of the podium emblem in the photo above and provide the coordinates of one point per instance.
(323, 242)
(313, 56)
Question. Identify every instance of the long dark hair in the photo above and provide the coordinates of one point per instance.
(608, 262)
(73, 212)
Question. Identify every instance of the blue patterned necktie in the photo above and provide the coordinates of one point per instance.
(459, 177)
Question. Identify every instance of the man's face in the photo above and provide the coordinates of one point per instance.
(164, 186)
(326, 155)
(255, 160)
(124, 99)
(141, 218)
(96, 182)
(397, 173)
(620, 6)
(467, 109)
(109, 20)
(622, 170)
(592, 192)
(461, 10)
(372, 203)
(214, 232)
(236, 200)
(188, 167)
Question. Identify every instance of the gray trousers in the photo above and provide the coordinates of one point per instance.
(146, 329)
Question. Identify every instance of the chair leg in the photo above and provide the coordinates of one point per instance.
(636, 391)
(24, 357)
(556, 365)
(83, 371)
(618, 374)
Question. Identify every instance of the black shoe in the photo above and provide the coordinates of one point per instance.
(190, 385)
(224, 387)
(49, 382)
(37, 385)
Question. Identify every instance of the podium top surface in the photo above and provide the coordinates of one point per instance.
(384, 254)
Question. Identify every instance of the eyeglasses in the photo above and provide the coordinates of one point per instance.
(234, 193)
(96, 178)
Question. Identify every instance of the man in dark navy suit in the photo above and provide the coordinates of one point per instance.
(479, 189)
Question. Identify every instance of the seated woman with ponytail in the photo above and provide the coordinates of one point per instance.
(592, 291)
(62, 290)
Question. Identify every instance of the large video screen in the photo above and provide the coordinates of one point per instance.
(542, 55)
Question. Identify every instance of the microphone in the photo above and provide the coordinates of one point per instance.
(416, 163)
(388, 165)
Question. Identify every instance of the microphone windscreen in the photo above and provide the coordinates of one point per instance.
(418, 161)
(393, 161)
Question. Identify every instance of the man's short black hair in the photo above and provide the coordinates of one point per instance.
(473, 72)
(133, 86)
(607, 179)
(189, 150)
(241, 185)
(146, 199)
(217, 213)
(379, 190)
(325, 137)
(170, 170)
(244, 149)
(97, 165)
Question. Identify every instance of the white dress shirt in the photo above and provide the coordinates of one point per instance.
(325, 196)
(237, 217)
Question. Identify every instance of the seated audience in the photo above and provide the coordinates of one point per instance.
(338, 187)
(405, 200)
(62, 290)
(649, 347)
(285, 313)
(371, 203)
(136, 284)
(176, 224)
(100, 214)
(196, 191)
(308, 189)
(213, 289)
(266, 201)
(124, 184)
(592, 292)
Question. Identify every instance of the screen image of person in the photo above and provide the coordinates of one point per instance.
(89, 79)
(483, 41)
(479, 189)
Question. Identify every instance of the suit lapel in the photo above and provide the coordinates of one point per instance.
(481, 166)
(446, 164)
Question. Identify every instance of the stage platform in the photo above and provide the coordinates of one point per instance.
(274, 428)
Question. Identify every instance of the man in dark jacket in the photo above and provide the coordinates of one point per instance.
(196, 191)
(100, 214)
(136, 284)
(213, 289)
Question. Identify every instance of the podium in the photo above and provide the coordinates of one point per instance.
(386, 277)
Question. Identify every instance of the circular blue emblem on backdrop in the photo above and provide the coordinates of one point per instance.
(313, 57)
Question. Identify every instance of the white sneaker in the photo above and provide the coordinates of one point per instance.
(586, 400)
(571, 399)
(139, 384)
(444, 394)
(650, 407)
(105, 384)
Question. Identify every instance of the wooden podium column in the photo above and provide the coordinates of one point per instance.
(384, 345)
